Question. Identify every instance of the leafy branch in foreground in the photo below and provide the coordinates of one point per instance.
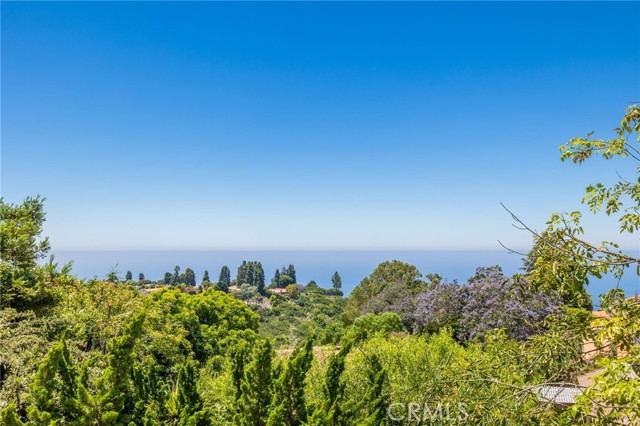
(561, 258)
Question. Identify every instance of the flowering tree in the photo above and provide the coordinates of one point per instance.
(489, 301)
(494, 301)
(440, 307)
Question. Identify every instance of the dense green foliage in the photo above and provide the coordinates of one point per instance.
(287, 319)
(402, 349)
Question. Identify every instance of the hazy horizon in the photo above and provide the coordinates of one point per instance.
(317, 265)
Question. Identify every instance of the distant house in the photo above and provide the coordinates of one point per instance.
(278, 290)
(564, 396)
(151, 290)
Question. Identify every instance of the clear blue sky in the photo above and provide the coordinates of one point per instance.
(308, 125)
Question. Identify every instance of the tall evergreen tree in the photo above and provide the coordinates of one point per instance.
(275, 281)
(205, 277)
(238, 361)
(253, 406)
(250, 279)
(128, 276)
(288, 404)
(331, 412)
(176, 275)
(336, 281)
(291, 271)
(189, 277)
(140, 276)
(185, 405)
(258, 277)
(222, 286)
(54, 388)
(115, 386)
(151, 395)
(225, 276)
(241, 276)
(376, 401)
(168, 277)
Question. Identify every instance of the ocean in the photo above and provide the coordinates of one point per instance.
(319, 266)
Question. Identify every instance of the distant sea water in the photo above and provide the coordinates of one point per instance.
(319, 266)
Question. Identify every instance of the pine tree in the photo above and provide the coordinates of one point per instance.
(241, 276)
(225, 276)
(250, 273)
(189, 277)
(258, 277)
(222, 286)
(275, 282)
(168, 277)
(253, 406)
(288, 404)
(128, 276)
(176, 276)
(336, 281)
(205, 277)
(291, 271)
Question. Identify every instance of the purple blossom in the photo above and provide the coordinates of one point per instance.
(439, 307)
(488, 301)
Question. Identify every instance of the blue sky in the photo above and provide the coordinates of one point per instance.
(309, 125)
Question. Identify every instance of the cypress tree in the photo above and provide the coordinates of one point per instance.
(53, 389)
(258, 276)
(128, 276)
(185, 405)
(189, 277)
(8, 416)
(275, 282)
(237, 368)
(140, 276)
(251, 279)
(375, 400)
(291, 271)
(168, 278)
(115, 386)
(241, 276)
(205, 277)
(253, 406)
(331, 412)
(151, 395)
(225, 276)
(288, 404)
